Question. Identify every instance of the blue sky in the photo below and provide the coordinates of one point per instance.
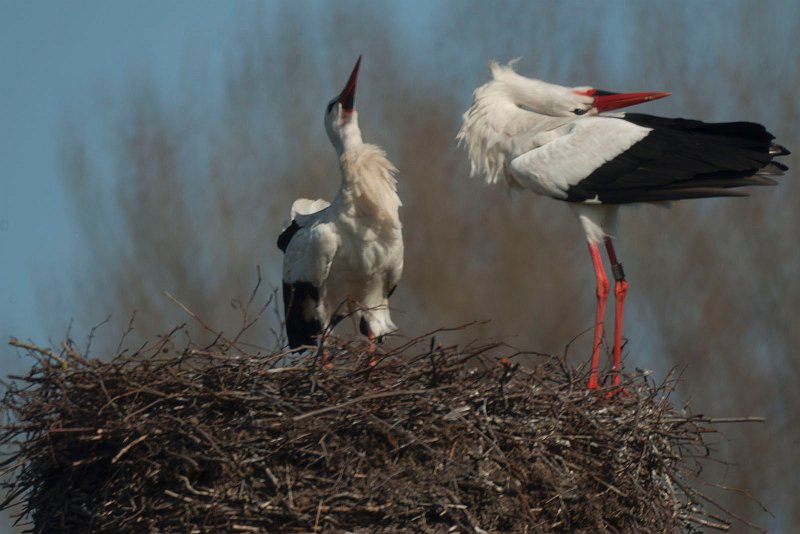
(57, 58)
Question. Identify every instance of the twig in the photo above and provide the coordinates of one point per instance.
(202, 323)
(128, 330)
(14, 342)
(364, 398)
(90, 338)
(128, 447)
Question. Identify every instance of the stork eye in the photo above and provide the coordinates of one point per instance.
(330, 106)
(578, 111)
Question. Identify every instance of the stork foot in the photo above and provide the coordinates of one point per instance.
(616, 390)
(615, 393)
(327, 359)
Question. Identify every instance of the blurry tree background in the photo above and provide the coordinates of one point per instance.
(199, 185)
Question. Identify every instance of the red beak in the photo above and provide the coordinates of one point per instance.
(606, 101)
(347, 98)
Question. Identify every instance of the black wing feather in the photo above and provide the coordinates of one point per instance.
(298, 297)
(286, 236)
(683, 158)
(300, 329)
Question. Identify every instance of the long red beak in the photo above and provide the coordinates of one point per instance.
(606, 101)
(347, 98)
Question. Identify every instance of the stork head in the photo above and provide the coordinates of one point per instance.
(341, 117)
(553, 100)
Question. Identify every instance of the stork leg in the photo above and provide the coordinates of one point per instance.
(602, 294)
(372, 360)
(327, 359)
(324, 353)
(363, 327)
(620, 290)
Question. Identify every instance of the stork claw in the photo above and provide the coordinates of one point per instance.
(616, 389)
(613, 393)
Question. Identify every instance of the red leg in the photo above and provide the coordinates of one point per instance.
(372, 361)
(620, 290)
(602, 294)
(327, 360)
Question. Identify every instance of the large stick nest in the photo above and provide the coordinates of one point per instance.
(433, 439)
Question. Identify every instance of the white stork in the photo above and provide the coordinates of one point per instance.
(345, 257)
(558, 142)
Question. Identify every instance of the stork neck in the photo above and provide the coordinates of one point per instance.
(351, 138)
(368, 186)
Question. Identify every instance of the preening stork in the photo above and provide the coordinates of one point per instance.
(345, 257)
(558, 142)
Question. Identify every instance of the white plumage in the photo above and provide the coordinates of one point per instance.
(346, 257)
(558, 142)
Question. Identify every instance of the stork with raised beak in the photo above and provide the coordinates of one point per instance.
(344, 258)
(560, 142)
